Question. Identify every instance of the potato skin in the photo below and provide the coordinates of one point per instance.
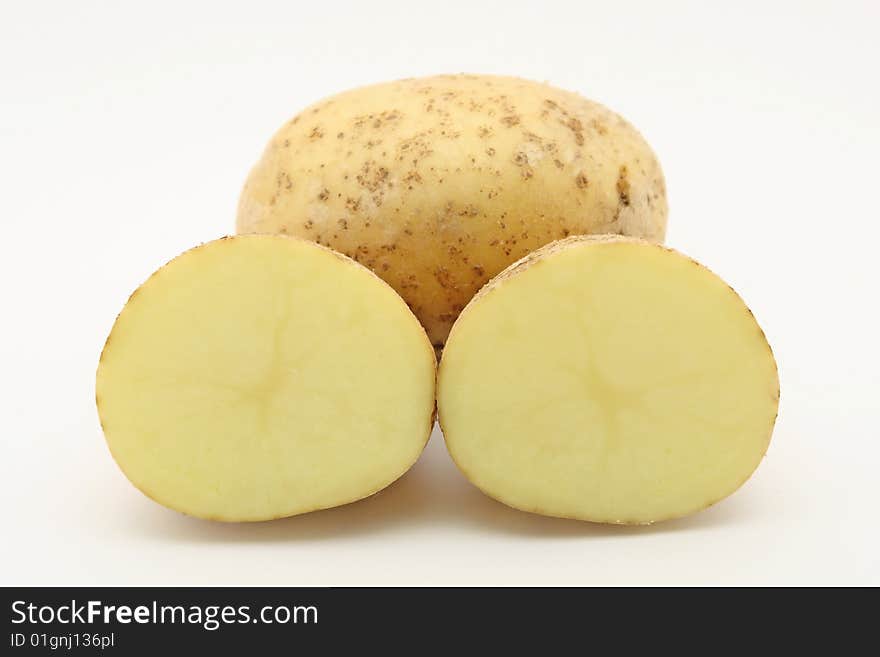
(437, 184)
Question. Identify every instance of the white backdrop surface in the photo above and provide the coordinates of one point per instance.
(126, 131)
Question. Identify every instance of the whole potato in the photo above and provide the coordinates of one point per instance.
(437, 184)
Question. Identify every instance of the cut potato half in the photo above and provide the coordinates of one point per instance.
(607, 379)
(258, 377)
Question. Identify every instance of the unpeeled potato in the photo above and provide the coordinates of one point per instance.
(439, 183)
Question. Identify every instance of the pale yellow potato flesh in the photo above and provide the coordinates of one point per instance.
(437, 184)
(609, 380)
(258, 377)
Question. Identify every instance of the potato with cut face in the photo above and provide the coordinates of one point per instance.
(607, 379)
(439, 183)
(258, 377)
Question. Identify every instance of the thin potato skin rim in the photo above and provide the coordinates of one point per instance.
(534, 258)
(260, 236)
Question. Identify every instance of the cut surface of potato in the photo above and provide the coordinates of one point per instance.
(258, 377)
(439, 183)
(607, 379)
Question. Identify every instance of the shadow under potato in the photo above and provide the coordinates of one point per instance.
(433, 493)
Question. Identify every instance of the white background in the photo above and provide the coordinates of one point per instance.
(126, 131)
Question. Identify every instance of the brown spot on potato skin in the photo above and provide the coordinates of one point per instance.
(386, 117)
(444, 277)
(370, 178)
(283, 180)
(521, 160)
(324, 195)
(599, 127)
(510, 120)
(581, 180)
(316, 134)
(576, 128)
(623, 186)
